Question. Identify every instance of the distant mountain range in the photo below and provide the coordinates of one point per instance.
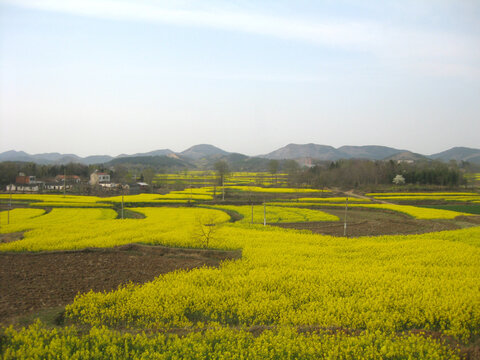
(203, 155)
(324, 152)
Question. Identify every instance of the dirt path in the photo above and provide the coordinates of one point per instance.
(30, 282)
(351, 193)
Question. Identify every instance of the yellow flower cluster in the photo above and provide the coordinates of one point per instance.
(233, 178)
(414, 211)
(445, 196)
(390, 283)
(37, 342)
(376, 288)
(68, 229)
(422, 198)
(69, 204)
(52, 198)
(47, 200)
(276, 214)
(157, 198)
(275, 190)
(423, 194)
(65, 221)
(17, 216)
(334, 199)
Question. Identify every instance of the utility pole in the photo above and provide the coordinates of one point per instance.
(264, 213)
(345, 223)
(64, 181)
(9, 205)
(252, 214)
(223, 187)
(122, 201)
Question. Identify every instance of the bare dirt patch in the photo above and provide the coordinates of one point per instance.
(474, 220)
(6, 238)
(30, 282)
(371, 223)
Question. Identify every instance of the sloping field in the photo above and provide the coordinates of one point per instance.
(70, 229)
(276, 214)
(291, 295)
(35, 281)
(414, 211)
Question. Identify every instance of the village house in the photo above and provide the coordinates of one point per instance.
(99, 178)
(71, 179)
(25, 183)
(23, 179)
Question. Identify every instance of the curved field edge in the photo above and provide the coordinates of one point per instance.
(33, 279)
(17, 216)
(388, 283)
(74, 229)
(413, 211)
(248, 214)
(383, 285)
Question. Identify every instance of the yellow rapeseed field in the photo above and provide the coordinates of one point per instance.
(276, 214)
(308, 296)
(17, 216)
(414, 211)
(341, 199)
(275, 190)
(438, 196)
(68, 228)
(51, 198)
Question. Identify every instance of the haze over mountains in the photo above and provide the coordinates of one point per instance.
(324, 152)
(203, 152)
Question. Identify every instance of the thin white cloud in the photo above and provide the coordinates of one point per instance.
(344, 34)
(409, 47)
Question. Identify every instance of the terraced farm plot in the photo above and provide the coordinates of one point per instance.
(292, 293)
(32, 282)
(375, 222)
(276, 214)
(341, 199)
(414, 211)
(69, 229)
(275, 190)
(430, 197)
(208, 178)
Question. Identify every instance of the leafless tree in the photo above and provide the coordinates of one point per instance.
(205, 229)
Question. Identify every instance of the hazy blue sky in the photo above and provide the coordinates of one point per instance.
(110, 77)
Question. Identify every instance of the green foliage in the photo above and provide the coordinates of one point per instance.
(369, 297)
(354, 173)
(467, 208)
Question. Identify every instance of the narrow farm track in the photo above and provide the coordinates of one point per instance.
(351, 193)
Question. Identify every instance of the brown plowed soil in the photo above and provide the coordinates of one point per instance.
(30, 282)
(372, 223)
(5, 238)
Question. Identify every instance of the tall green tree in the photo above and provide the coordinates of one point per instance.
(273, 166)
(221, 168)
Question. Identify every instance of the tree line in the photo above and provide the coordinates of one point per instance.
(360, 173)
(340, 173)
(9, 170)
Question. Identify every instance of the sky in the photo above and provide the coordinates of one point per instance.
(129, 76)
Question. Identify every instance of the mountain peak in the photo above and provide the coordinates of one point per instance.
(290, 151)
(203, 150)
(458, 153)
(297, 151)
